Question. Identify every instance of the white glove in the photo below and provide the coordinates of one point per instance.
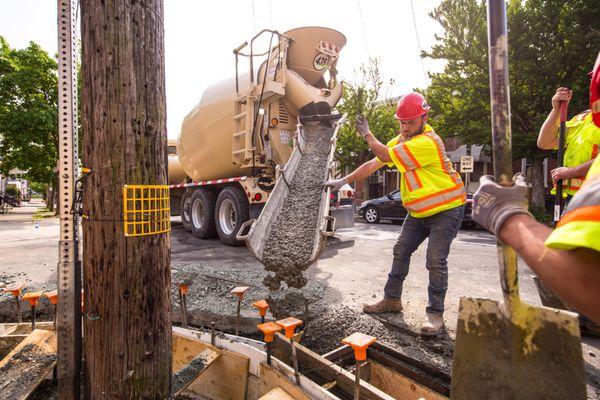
(362, 126)
(493, 204)
(335, 184)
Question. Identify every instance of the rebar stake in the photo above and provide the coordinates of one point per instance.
(262, 307)
(239, 293)
(32, 298)
(15, 290)
(183, 291)
(213, 337)
(359, 342)
(289, 326)
(268, 329)
(53, 298)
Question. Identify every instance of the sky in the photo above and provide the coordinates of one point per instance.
(200, 37)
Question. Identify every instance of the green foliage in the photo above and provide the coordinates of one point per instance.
(364, 97)
(28, 111)
(552, 43)
(38, 187)
(12, 191)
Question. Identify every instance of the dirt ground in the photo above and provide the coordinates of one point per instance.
(352, 270)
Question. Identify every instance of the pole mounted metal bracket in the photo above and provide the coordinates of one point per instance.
(69, 265)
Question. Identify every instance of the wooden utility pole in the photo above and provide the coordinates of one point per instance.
(127, 310)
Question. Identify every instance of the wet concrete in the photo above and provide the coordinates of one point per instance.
(187, 374)
(22, 371)
(290, 244)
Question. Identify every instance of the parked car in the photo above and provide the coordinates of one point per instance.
(389, 208)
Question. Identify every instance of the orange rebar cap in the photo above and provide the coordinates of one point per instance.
(268, 329)
(240, 291)
(262, 306)
(32, 298)
(359, 342)
(15, 289)
(52, 296)
(183, 288)
(289, 324)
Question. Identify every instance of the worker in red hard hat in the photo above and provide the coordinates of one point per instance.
(432, 193)
(566, 259)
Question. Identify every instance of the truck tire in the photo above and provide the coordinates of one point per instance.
(231, 212)
(186, 200)
(202, 214)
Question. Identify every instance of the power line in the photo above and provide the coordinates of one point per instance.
(364, 31)
(412, 8)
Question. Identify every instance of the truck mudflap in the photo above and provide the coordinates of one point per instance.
(258, 233)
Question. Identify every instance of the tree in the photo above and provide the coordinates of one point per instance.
(127, 280)
(28, 112)
(551, 43)
(364, 97)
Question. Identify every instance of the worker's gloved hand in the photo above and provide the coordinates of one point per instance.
(362, 126)
(335, 184)
(493, 204)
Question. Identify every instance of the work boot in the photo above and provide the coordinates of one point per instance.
(383, 306)
(434, 324)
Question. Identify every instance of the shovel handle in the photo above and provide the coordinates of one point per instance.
(501, 136)
(558, 198)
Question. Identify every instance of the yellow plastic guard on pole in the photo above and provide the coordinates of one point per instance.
(146, 210)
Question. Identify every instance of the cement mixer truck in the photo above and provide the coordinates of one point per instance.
(234, 142)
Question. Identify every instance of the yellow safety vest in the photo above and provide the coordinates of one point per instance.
(429, 184)
(582, 145)
(580, 224)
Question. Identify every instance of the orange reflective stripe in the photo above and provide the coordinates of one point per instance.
(442, 202)
(399, 157)
(587, 213)
(445, 164)
(405, 157)
(410, 155)
(412, 180)
(594, 152)
(409, 203)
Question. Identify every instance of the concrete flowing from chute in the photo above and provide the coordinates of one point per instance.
(290, 243)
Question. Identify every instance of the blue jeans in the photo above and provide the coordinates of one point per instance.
(441, 229)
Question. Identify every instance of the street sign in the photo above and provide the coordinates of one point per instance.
(466, 164)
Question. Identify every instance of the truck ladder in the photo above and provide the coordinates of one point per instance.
(246, 105)
(243, 120)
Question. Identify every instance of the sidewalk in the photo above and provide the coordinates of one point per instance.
(25, 212)
(28, 246)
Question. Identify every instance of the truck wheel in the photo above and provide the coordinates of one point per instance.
(231, 212)
(186, 200)
(202, 214)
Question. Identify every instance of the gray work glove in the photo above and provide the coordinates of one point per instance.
(362, 126)
(493, 204)
(335, 184)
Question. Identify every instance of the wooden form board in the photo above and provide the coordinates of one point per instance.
(398, 385)
(185, 349)
(271, 379)
(277, 394)
(225, 379)
(22, 370)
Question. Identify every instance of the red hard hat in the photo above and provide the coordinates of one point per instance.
(411, 106)
(595, 92)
